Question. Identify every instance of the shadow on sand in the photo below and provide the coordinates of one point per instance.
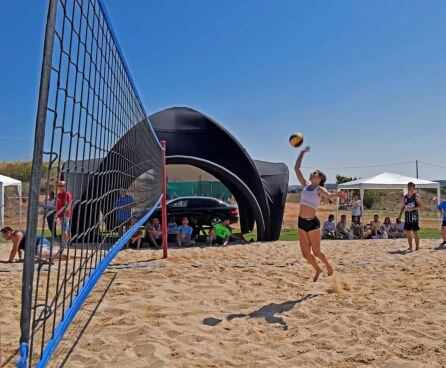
(400, 252)
(268, 312)
(82, 320)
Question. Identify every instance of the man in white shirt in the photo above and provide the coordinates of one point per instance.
(356, 208)
(50, 205)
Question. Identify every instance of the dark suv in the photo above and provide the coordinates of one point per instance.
(206, 210)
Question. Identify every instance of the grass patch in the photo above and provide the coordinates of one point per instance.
(292, 234)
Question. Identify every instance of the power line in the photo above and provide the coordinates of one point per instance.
(362, 167)
(434, 165)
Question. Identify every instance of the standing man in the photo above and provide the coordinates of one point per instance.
(442, 209)
(412, 201)
(123, 205)
(64, 213)
(356, 208)
(50, 205)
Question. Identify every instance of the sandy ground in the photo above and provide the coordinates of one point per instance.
(256, 306)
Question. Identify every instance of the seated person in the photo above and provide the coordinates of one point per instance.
(18, 238)
(154, 233)
(386, 228)
(220, 233)
(195, 228)
(357, 229)
(237, 237)
(172, 229)
(184, 233)
(328, 230)
(397, 229)
(375, 229)
(342, 231)
(135, 239)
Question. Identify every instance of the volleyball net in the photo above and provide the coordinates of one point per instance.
(105, 175)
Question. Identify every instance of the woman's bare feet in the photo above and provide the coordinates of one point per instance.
(329, 270)
(316, 276)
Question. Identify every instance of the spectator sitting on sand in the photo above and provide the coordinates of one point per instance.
(397, 229)
(386, 228)
(357, 229)
(154, 233)
(375, 229)
(328, 230)
(341, 228)
(172, 229)
(135, 239)
(184, 233)
(195, 228)
(220, 233)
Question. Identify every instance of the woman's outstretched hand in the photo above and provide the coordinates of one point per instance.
(306, 149)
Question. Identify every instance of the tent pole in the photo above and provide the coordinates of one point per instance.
(439, 201)
(19, 189)
(361, 195)
(2, 205)
(337, 209)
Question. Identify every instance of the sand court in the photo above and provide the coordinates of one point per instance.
(256, 306)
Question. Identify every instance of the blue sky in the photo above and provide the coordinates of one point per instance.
(364, 81)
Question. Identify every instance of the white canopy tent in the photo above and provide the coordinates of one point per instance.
(388, 181)
(6, 181)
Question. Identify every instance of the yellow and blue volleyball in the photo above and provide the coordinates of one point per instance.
(296, 140)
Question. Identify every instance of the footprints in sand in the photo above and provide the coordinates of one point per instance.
(388, 312)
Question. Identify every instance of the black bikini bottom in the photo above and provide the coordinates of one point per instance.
(308, 224)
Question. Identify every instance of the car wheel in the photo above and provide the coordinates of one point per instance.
(217, 219)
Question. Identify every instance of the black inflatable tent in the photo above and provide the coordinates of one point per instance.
(259, 187)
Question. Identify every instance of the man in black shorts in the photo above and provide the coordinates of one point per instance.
(18, 242)
(412, 201)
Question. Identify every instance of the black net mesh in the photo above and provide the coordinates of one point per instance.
(105, 165)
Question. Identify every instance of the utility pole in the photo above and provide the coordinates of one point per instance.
(416, 165)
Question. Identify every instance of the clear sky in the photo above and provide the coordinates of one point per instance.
(364, 81)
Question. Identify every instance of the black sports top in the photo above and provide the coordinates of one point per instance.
(411, 202)
(22, 242)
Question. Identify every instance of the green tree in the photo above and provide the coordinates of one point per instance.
(340, 179)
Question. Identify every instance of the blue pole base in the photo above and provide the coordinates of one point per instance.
(24, 348)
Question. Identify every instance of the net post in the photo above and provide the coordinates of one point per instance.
(164, 200)
(35, 178)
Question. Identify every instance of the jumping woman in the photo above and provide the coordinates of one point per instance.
(309, 225)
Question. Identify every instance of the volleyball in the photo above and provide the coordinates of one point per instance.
(296, 140)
